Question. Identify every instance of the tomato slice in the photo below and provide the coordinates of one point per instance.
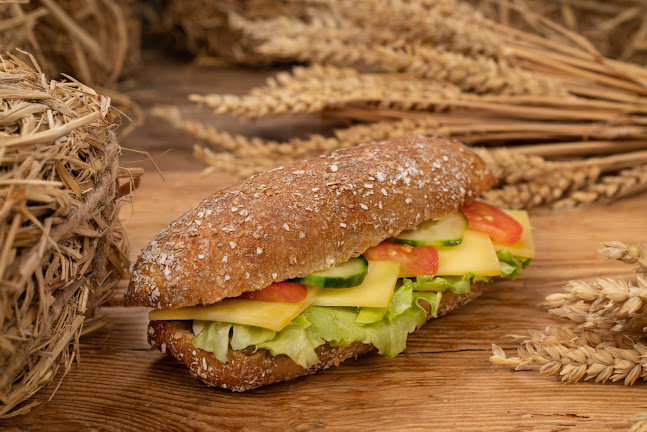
(417, 260)
(492, 221)
(280, 292)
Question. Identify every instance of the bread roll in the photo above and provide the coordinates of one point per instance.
(290, 222)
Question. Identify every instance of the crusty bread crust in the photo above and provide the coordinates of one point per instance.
(308, 216)
(247, 371)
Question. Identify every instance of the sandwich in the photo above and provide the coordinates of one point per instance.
(300, 268)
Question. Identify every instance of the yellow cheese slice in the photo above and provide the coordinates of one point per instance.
(524, 247)
(375, 291)
(475, 254)
(271, 315)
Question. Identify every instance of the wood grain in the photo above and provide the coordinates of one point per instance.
(443, 381)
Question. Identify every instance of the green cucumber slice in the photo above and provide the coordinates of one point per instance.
(446, 231)
(346, 275)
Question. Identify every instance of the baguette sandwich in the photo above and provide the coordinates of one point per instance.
(300, 268)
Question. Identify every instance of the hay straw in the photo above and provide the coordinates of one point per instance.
(95, 41)
(63, 248)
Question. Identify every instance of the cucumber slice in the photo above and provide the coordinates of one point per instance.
(346, 275)
(446, 231)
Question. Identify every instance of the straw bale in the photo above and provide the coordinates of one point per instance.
(96, 41)
(62, 248)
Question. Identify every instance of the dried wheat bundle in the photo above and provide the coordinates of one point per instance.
(617, 29)
(242, 156)
(441, 67)
(95, 41)
(612, 317)
(528, 181)
(62, 248)
(589, 356)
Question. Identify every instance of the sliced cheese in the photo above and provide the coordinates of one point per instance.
(524, 247)
(475, 254)
(375, 291)
(270, 315)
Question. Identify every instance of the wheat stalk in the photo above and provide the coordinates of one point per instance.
(626, 182)
(639, 423)
(545, 190)
(629, 253)
(602, 308)
(606, 304)
(315, 88)
(601, 22)
(588, 356)
(392, 22)
(472, 74)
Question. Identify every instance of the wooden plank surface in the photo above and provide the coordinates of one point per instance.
(443, 381)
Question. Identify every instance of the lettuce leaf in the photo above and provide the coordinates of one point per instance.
(457, 284)
(511, 265)
(400, 302)
(245, 335)
(295, 341)
(214, 338)
(386, 328)
(337, 326)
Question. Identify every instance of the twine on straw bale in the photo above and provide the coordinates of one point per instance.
(62, 248)
(94, 41)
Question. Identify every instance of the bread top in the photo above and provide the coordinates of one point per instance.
(305, 217)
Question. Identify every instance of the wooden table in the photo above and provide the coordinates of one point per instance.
(443, 381)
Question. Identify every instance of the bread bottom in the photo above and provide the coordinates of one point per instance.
(245, 371)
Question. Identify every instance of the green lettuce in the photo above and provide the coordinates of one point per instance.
(400, 302)
(386, 328)
(457, 284)
(296, 341)
(214, 338)
(511, 265)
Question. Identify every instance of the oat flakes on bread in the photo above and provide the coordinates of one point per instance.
(288, 223)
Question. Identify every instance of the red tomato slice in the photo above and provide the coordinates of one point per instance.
(490, 220)
(280, 292)
(417, 260)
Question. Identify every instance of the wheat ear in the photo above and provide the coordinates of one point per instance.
(606, 304)
(629, 253)
(558, 351)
